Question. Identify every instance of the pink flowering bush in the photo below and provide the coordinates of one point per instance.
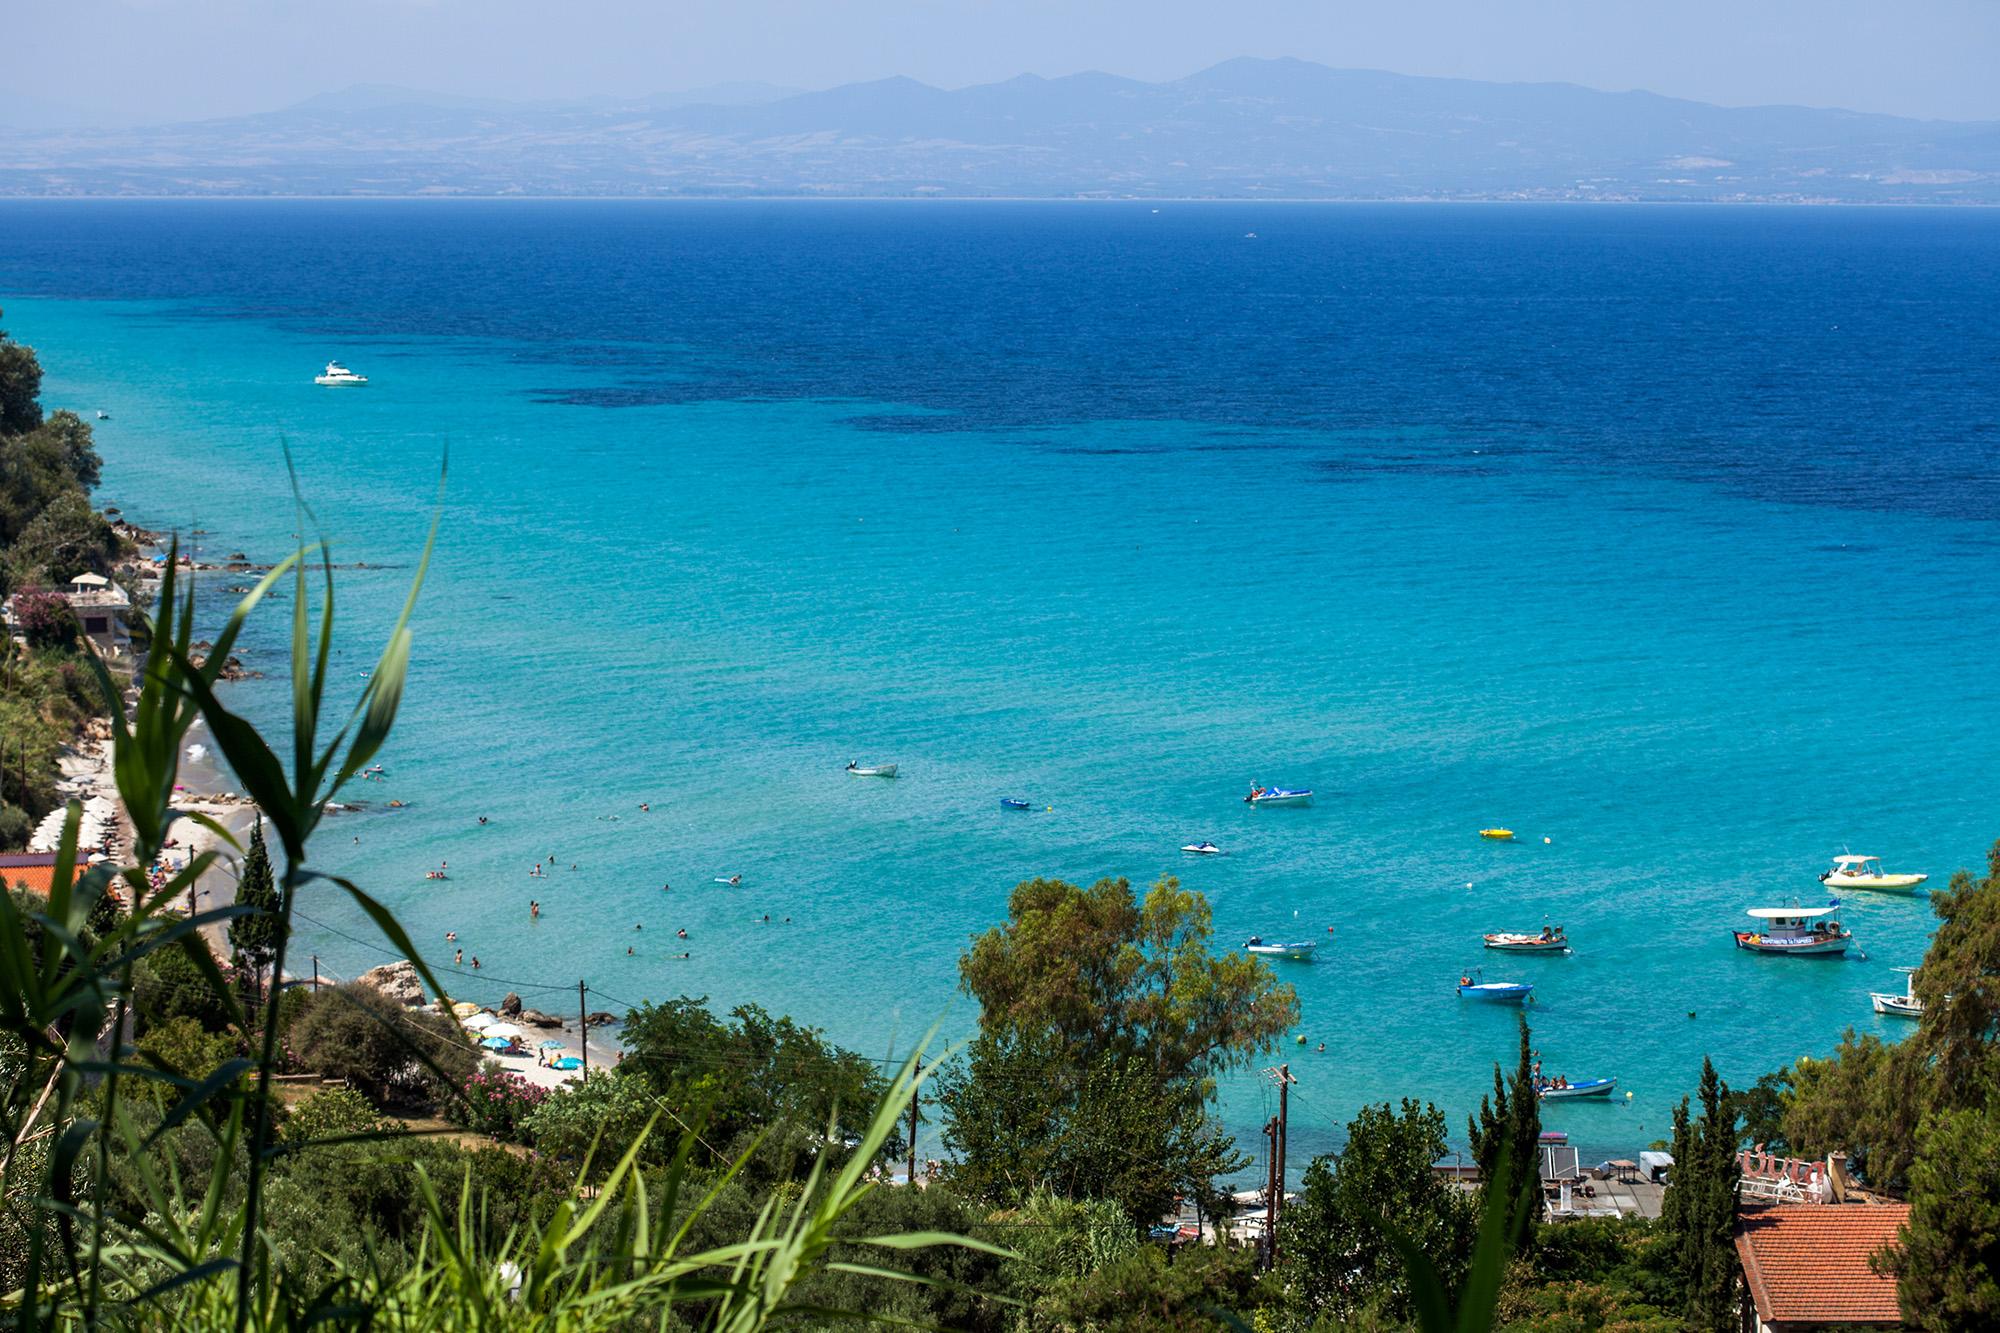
(495, 1104)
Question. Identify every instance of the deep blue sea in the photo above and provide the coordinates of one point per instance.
(1667, 537)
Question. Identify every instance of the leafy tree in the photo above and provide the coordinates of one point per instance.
(1698, 1215)
(756, 1075)
(1093, 1004)
(330, 1113)
(1507, 1136)
(387, 1051)
(169, 985)
(1948, 1263)
(1759, 1111)
(607, 1111)
(16, 827)
(1146, 1291)
(65, 539)
(255, 937)
(55, 459)
(184, 1046)
(45, 619)
(956, 1288)
(20, 387)
(1336, 1257)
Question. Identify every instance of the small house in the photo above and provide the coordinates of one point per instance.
(1805, 1266)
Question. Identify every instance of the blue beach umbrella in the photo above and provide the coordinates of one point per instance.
(496, 1043)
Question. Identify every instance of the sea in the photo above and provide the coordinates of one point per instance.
(1667, 537)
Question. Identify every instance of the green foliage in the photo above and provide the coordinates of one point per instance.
(331, 1113)
(496, 1103)
(388, 1052)
(1758, 1111)
(1948, 1264)
(255, 936)
(181, 1044)
(1057, 1239)
(20, 387)
(1506, 1135)
(1146, 1291)
(1335, 1255)
(753, 1076)
(1103, 1026)
(170, 985)
(65, 539)
(608, 1112)
(1698, 1215)
(16, 827)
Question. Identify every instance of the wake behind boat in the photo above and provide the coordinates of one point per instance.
(1865, 872)
(1805, 931)
(1279, 796)
(870, 770)
(338, 376)
(1298, 952)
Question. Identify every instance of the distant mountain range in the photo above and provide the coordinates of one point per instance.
(1245, 129)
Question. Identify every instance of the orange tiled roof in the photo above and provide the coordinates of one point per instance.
(1808, 1264)
(35, 869)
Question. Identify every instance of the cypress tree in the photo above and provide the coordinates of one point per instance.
(1508, 1130)
(1698, 1214)
(255, 936)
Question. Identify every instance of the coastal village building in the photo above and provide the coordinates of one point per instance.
(1805, 1266)
(100, 606)
(28, 870)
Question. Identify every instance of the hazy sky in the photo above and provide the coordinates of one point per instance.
(182, 58)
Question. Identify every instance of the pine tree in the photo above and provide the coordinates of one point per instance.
(1508, 1130)
(255, 936)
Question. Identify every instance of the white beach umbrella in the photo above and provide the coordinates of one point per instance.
(508, 1031)
(480, 1022)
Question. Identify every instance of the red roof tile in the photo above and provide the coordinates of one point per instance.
(34, 869)
(1808, 1264)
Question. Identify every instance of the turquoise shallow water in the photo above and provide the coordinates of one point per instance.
(1698, 666)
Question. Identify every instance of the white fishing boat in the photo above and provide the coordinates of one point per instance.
(1905, 1005)
(1865, 872)
(1279, 796)
(1808, 932)
(871, 770)
(338, 375)
(1202, 849)
(1550, 940)
(1300, 951)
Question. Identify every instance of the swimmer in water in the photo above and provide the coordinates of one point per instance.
(681, 933)
(482, 819)
(534, 908)
(475, 960)
(645, 808)
(458, 958)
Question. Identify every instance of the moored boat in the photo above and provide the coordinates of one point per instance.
(1808, 932)
(1865, 872)
(1556, 1089)
(1906, 1005)
(871, 770)
(1551, 940)
(1279, 796)
(1300, 951)
(1202, 849)
(1494, 992)
(1012, 803)
(1498, 834)
(338, 375)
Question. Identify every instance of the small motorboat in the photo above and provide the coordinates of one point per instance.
(1865, 872)
(1012, 803)
(1298, 952)
(1555, 1089)
(1498, 834)
(734, 881)
(103, 415)
(1202, 849)
(1551, 940)
(1494, 992)
(1805, 931)
(1906, 1005)
(871, 770)
(1279, 796)
(337, 375)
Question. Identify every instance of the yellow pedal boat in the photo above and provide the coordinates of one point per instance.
(1498, 834)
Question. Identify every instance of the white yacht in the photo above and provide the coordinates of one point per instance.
(338, 374)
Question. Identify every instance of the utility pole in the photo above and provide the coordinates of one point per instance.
(1280, 1124)
(1271, 1193)
(583, 1027)
(315, 974)
(913, 1125)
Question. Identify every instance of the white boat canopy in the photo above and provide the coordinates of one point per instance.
(1788, 913)
(1854, 860)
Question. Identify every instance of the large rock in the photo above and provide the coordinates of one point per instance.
(511, 1006)
(600, 1018)
(535, 1018)
(398, 981)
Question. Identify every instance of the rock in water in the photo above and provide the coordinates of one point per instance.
(600, 1018)
(535, 1018)
(398, 981)
(511, 1006)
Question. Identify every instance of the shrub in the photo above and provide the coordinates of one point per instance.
(497, 1104)
(390, 1053)
(329, 1113)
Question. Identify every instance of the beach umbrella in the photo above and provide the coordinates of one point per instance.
(505, 1031)
(479, 1022)
(496, 1043)
(569, 1062)
(551, 1044)
(465, 1009)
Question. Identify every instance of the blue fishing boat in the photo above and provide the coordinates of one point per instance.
(1555, 1089)
(1012, 803)
(1494, 992)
